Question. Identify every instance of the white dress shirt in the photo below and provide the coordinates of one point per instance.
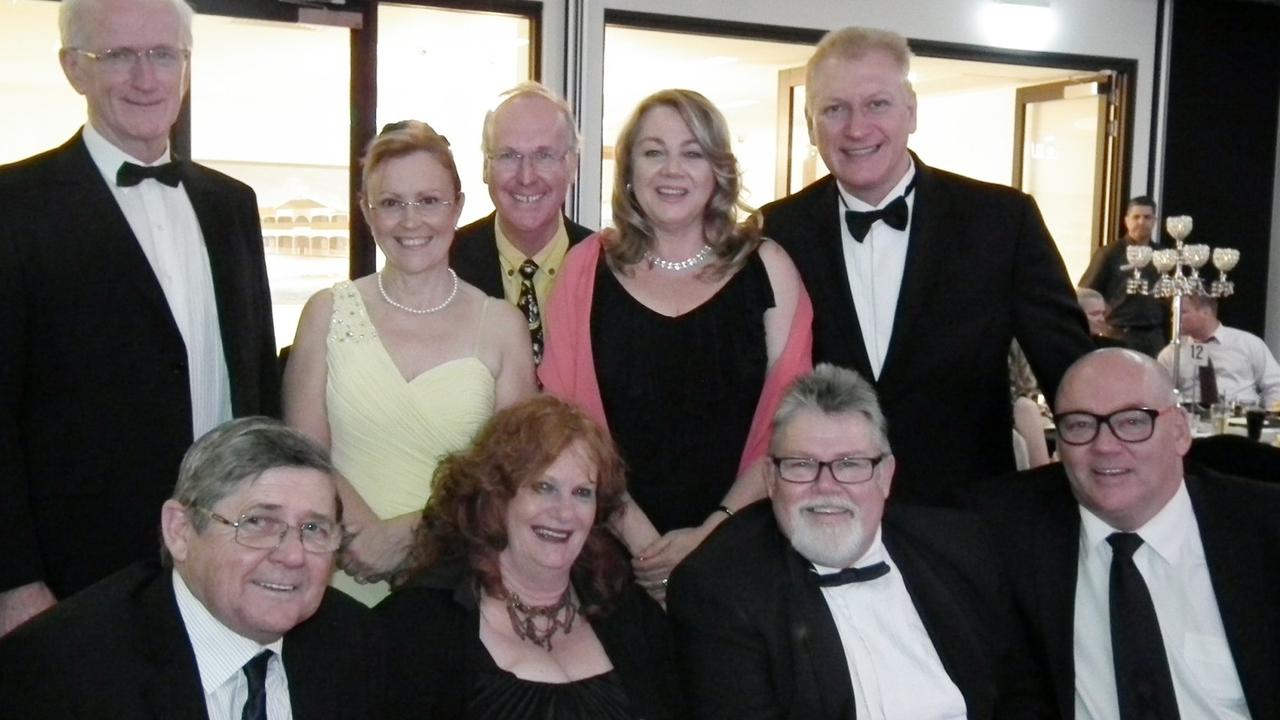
(894, 667)
(875, 268)
(1245, 369)
(220, 656)
(165, 225)
(1171, 561)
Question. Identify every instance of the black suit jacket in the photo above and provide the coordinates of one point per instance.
(435, 651)
(474, 254)
(1037, 521)
(756, 639)
(120, 650)
(980, 270)
(95, 407)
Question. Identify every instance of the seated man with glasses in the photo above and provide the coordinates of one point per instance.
(808, 606)
(1152, 591)
(235, 622)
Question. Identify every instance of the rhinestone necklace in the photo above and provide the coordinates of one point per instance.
(423, 311)
(694, 261)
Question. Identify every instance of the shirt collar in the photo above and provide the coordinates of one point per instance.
(1166, 533)
(548, 258)
(854, 203)
(108, 157)
(220, 651)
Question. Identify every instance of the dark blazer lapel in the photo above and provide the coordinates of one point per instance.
(1241, 584)
(828, 248)
(114, 244)
(926, 253)
(484, 255)
(172, 687)
(953, 636)
(1057, 550)
(225, 266)
(816, 640)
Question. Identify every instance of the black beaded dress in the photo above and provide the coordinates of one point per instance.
(680, 392)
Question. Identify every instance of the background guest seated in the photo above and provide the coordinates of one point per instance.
(237, 622)
(518, 605)
(679, 329)
(396, 369)
(1244, 370)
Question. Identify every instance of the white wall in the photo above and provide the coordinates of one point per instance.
(1110, 28)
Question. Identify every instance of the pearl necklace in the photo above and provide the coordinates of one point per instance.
(693, 261)
(423, 311)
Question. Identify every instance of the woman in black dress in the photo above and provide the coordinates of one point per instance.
(678, 329)
(517, 606)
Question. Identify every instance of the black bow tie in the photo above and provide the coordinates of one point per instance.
(131, 174)
(853, 575)
(895, 215)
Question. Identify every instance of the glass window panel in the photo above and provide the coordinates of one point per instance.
(739, 76)
(270, 107)
(33, 78)
(446, 68)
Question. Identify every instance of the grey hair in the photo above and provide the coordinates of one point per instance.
(75, 20)
(851, 43)
(1084, 293)
(832, 390)
(532, 89)
(235, 454)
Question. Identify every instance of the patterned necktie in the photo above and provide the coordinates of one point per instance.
(255, 672)
(131, 174)
(1144, 684)
(528, 302)
(853, 575)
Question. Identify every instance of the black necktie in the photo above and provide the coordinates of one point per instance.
(1208, 381)
(131, 174)
(528, 302)
(1144, 685)
(853, 575)
(255, 672)
(895, 215)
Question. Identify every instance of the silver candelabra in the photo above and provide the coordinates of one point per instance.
(1179, 269)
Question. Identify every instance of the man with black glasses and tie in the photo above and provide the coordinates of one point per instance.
(134, 311)
(1152, 589)
(236, 623)
(808, 606)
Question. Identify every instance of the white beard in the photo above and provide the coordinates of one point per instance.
(835, 547)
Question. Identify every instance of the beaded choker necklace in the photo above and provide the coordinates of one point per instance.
(538, 623)
(421, 311)
(676, 266)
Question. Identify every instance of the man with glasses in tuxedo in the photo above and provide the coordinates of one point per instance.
(236, 621)
(1152, 588)
(134, 311)
(807, 605)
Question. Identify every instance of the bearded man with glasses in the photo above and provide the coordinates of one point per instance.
(134, 310)
(237, 621)
(821, 603)
(1152, 589)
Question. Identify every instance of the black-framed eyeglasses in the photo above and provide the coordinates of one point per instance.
(262, 531)
(163, 57)
(1131, 425)
(845, 470)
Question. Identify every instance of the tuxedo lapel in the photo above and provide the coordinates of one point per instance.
(114, 245)
(172, 688)
(817, 646)
(954, 638)
(828, 251)
(1057, 551)
(1240, 583)
(926, 253)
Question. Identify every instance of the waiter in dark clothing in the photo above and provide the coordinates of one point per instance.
(1140, 321)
